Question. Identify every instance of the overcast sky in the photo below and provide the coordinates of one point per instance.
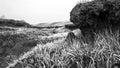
(37, 11)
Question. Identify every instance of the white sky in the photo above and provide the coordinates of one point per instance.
(37, 11)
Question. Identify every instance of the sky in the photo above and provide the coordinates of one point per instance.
(37, 11)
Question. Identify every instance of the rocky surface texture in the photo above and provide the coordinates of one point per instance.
(97, 13)
(96, 16)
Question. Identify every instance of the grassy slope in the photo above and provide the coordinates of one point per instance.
(15, 41)
(14, 23)
(73, 53)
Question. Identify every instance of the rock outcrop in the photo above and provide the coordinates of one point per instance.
(96, 16)
(77, 33)
(96, 13)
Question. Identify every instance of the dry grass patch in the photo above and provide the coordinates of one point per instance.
(60, 54)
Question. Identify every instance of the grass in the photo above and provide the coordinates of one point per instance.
(78, 54)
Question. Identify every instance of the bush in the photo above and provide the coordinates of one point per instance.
(96, 13)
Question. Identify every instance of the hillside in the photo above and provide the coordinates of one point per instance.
(14, 23)
(17, 40)
(54, 24)
(92, 41)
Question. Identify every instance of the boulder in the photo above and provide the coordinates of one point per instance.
(97, 14)
(77, 33)
(95, 17)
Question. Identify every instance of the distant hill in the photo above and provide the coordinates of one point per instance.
(14, 23)
(54, 24)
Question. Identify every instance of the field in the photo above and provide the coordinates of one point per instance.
(15, 41)
(90, 39)
(57, 47)
(45, 48)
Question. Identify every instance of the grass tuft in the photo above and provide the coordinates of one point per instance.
(77, 54)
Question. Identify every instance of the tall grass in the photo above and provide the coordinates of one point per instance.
(78, 54)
